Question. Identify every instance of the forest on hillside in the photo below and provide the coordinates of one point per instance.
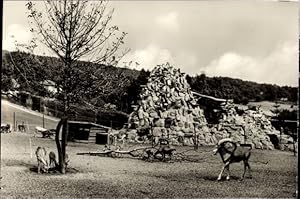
(241, 91)
(123, 85)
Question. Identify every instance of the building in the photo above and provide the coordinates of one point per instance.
(87, 132)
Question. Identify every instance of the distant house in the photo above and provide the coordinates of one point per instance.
(87, 132)
(49, 86)
(15, 84)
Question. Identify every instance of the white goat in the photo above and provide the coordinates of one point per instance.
(41, 155)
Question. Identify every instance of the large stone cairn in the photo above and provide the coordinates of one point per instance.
(252, 127)
(168, 107)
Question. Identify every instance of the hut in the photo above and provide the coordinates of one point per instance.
(88, 132)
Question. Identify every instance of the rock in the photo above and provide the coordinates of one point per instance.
(207, 138)
(160, 123)
(187, 142)
(157, 131)
(214, 140)
(270, 147)
(258, 145)
(201, 137)
(180, 134)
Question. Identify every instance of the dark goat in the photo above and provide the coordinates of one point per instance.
(236, 154)
(5, 128)
(52, 160)
(53, 164)
(165, 150)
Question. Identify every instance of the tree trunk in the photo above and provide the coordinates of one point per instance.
(58, 144)
(65, 130)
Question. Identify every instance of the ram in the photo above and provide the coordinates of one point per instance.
(227, 147)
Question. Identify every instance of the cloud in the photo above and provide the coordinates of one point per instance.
(187, 61)
(279, 67)
(148, 57)
(153, 55)
(168, 21)
(15, 33)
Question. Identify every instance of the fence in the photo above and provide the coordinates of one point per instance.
(26, 122)
(49, 107)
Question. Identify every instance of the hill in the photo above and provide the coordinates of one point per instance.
(241, 91)
(122, 85)
(28, 71)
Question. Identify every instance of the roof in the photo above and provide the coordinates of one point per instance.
(88, 124)
(212, 98)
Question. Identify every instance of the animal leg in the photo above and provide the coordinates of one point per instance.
(245, 167)
(220, 175)
(249, 169)
(39, 168)
(228, 173)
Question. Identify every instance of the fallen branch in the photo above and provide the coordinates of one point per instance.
(96, 153)
(114, 152)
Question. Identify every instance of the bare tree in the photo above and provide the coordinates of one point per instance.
(75, 30)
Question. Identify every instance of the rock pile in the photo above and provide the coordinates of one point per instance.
(168, 107)
(252, 127)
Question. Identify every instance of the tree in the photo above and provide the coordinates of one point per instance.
(75, 30)
(132, 95)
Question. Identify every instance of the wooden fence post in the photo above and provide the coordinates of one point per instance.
(195, 137)
(43, 120)
(14, 119)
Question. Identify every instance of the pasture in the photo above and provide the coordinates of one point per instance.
(106, 177)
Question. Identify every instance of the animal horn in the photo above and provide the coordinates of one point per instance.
(228, 140)
(225, 140)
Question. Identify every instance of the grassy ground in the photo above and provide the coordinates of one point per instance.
(132, 178)
(267, 105)
(105, 177)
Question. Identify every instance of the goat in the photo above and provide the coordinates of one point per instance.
(236, 153)
(52, 160)
(5, 128)
(21, 127)
(165, 150)
(54, 164)
(149, 153)
(41, 154)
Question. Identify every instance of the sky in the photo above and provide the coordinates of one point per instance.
(250, 40)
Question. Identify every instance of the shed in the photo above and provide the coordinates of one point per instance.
(87, 132)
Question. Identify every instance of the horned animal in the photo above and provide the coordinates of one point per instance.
(41, 155)
(165, 150)
(235, 153)
(149, 153)
(5, 128)
(21, 127)
(52, 160)
(54, 164)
